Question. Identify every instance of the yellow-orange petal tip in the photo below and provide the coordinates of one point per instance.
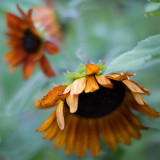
(91, 69)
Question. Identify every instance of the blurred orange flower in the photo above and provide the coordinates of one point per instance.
(46, 17)
(27, 45)
(94, 105)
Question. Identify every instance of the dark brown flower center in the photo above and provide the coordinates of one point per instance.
(101, 102)
(31, 43)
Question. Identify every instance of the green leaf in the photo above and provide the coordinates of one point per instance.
(155, 0)
(144, 54)
(152, 9)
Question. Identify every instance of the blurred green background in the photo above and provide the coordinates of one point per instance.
(103, 30)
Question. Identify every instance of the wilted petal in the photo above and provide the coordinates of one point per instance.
(138, 98)
(134, 87)
(91, 69)
(78, 86)
(50, 99)
(72, 101)
(103, 81)
(59, 115)
(67, 90)
(91, 85)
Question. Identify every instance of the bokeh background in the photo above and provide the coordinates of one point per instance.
(93, 31)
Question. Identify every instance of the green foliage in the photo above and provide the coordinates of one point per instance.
(155, 0)
(152, 9)
(145, 53)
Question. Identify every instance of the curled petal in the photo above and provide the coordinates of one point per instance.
(46, 67)
(51, 48)
(134, 87)
(117, 76)
(50, 99)
(59, 115)
(67, 90)
(91, 69)
(78, 86)
(103, 81)
(91, 85)
(72, 101)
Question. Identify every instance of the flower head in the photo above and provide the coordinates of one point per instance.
(46, 17)
(92, 104)
(27, 45)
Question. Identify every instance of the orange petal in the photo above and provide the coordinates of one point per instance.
(10, 54)
(129, 74)
(119, 130)
(138, 98)
(78, 86)
(27, 16)
(51, 48)
(17, 58)
(46, 67)
(28, 68)
(145, 109)
(47, 123)
(59, 115)
(91, 85)
(71, 136)
(107, 133)
(72, 101)
(131, 117)
(14, 22)
(134, 87)
(91, 69)
(51, 132)
(81, 140)
(93, 141)
(103, 81)
(146, 92)
(117, 76)
(62, 134)
(68, 88)
(50, 99)
(132, 130)
(14, 36)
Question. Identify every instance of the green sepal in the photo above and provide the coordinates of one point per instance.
(82, 69)
(102, 67)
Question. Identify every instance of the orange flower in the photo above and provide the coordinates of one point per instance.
(46, 17)
(27, 45)
(94, 105)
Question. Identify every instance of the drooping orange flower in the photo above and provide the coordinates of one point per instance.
(94, 105)
(27, 45)
(47, 18)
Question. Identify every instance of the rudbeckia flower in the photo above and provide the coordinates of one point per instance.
(46, 17)
(27, 45)
(94, 104)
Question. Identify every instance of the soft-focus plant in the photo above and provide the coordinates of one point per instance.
(123, 34)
